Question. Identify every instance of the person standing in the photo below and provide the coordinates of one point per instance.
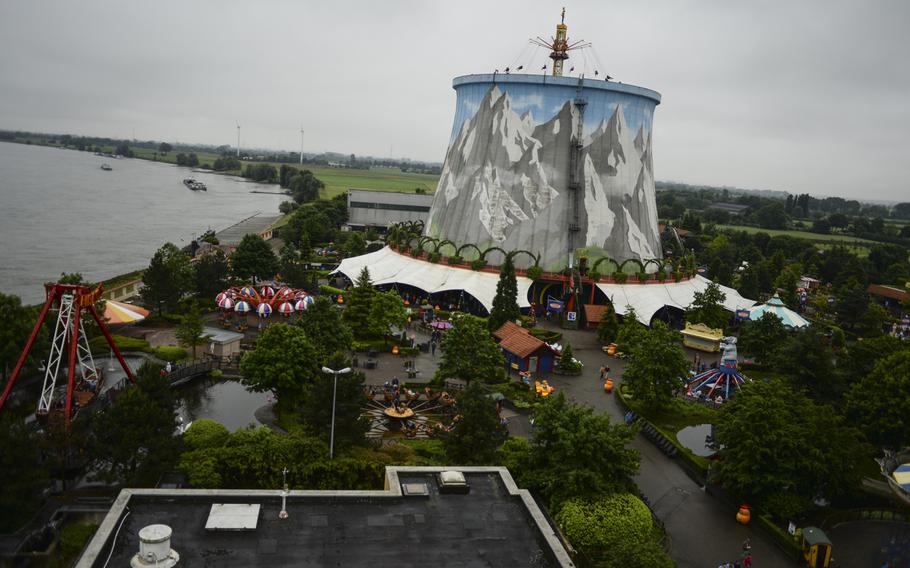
(433, 347)
(603, 372)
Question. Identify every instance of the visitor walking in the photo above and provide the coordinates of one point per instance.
(433, 347)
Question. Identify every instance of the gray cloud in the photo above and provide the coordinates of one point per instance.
(798, 96)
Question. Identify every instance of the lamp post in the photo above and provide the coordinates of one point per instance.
(335, 374)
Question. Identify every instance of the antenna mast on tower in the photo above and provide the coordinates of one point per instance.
(559, 46)
(238, 140)
(301, 144)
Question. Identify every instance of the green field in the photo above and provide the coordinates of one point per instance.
(339, 180)
(815, 237)
(336, 180)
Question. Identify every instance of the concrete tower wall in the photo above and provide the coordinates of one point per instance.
(507, 170)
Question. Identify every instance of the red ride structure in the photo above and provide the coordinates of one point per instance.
(69, 338)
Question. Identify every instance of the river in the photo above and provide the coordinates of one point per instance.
(60, 212)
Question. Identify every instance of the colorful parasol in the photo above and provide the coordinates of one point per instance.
(248, 291)
(267, 291)
(120, 313)
(242, 307)
(226, 303)
(441, 325)
(286, 308)
(264, 310)
(221, 296)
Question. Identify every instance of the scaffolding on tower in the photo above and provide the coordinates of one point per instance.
(69, 342)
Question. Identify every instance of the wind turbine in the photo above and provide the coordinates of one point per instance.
(301, 144)
(238, 140)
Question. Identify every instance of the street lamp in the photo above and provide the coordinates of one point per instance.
(335, 373)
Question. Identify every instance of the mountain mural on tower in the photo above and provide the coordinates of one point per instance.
(505, 182)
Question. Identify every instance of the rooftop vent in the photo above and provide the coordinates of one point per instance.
(155, 548)
(452, 482)
(415, 489)
(233, 517)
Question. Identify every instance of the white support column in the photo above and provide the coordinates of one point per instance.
(58, 343)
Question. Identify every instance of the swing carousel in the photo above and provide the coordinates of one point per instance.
(719, 384)
(239, 301)
(394, 411)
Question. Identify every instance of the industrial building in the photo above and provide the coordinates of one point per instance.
(426, 516)
(380, 209)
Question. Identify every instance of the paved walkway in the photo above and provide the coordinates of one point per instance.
(702, 529)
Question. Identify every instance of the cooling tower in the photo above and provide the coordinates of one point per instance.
(549, 165)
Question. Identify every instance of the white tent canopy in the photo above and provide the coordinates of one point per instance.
(387, 267)
(648, 299)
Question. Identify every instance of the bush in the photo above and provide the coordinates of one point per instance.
(433, 257)
(616, 530)
(546, 334)
(99, 344)
(73, 538)
(170, 353)
(535, 272)
(620, 277)
(594, 275)
(205, 433)
(456, 260)
(568, 364)
(443, 314)
(331, 290)
(478, 264)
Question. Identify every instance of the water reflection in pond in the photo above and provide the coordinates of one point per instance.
(697, 439)
(221, 400)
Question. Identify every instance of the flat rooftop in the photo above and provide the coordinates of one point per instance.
(495, 524)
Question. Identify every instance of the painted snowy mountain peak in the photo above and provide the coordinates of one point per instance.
(505, 183)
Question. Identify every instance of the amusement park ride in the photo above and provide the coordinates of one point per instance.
(69, 341)
(559, 46)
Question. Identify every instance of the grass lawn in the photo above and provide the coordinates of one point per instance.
(816, 237)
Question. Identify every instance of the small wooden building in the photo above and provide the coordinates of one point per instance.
(594, 313)
(523, 351)
(700, 336)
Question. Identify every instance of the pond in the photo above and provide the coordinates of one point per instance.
(225, 401)
(696, 438)
(222, 400)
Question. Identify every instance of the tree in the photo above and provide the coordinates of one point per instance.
(322, 320)
(772, 216)
(469, 352)
(386, 310)
(350, 425)
(133, 442)
(355, 245)
(575, 453)
(776, 442)
(166, 279)
(808, 360)
(283, 361)
(852, 303)
(205, 433)
(657, 367)
(189, 332)
(877, 402)
(18, 322)
(253, 259)
(608, 328)
(762, 337)
(358, 305)
(164, 148)
(24, 475)
(630, 330)
(567, 362)
(708, 308)
(479, 431)
(505, 303)
(305, 187)
(212, 273)
(785, 283)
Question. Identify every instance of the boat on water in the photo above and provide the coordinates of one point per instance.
(194, 184)
(106, 167)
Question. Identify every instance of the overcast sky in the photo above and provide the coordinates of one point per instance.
(809, 96)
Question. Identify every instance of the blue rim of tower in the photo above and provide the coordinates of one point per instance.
(549, 80)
